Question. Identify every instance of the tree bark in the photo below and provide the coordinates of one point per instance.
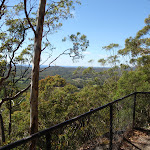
(35, 71)
(2, 134)
(10, 109)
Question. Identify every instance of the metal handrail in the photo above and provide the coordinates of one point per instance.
(60, 125)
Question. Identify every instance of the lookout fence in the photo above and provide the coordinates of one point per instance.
(103, 127)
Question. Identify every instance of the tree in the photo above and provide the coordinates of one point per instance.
(134, 75)
(13, 50)
(57, 101)
(12, 37)
(58, 10)
(138, 47)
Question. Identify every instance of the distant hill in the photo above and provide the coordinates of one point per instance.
(66, 72)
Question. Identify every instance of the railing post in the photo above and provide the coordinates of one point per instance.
(111, 127)
(134, 106)
(48, 141)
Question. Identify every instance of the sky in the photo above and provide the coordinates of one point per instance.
(103, 22)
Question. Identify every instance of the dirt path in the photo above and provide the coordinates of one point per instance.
(137, 140)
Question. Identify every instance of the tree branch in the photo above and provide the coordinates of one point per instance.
(1, 6)
(54, 60)
(14, 97)
(23, 75)
(27, 17)
(11, 60)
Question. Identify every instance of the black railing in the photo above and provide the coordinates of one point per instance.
(103, 127)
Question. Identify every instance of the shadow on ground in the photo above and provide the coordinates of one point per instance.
(138, 139)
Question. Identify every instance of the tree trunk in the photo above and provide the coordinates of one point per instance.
(2, 134)
(35, 71)
(10, 108)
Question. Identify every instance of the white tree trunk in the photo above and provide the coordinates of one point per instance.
(35, 71)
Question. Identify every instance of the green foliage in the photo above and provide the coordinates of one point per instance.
(3, 67)
(91, 97)
(80, 44)
(111, 46)
(102, 61)
(138, 46)
(57, 101)
(87, 89)
(133, 81)
(23, 127)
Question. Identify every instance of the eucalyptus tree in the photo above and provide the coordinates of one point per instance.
(25, 32)
(136, 69)
(48, 17)
(138, 47)
(12, 36)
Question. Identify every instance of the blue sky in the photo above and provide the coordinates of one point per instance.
(104, 22)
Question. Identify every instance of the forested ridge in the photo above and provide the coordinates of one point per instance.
(60, 93)
(61, 99)
(73, 75)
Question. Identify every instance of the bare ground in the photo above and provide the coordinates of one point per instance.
(137, 140)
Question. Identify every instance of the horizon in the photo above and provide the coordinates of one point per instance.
(26, 65)
(106, 22)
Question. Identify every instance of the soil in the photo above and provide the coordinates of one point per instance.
(137, 140)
